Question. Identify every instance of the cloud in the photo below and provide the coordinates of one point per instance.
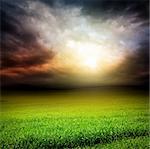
(42, 40)
(20, 47)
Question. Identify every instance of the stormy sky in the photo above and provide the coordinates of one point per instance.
(74, 42)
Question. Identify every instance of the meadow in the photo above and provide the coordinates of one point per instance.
(107, 119)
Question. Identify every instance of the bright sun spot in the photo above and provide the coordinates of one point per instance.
(86, 53)
(91, 63)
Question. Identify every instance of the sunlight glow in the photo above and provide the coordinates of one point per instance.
(93, 57)
(86, 45)
(91, 63)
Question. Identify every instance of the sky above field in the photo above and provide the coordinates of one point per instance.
(68, 42)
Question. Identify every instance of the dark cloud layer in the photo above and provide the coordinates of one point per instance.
(22, 54)
(19, 45)
(105, 6)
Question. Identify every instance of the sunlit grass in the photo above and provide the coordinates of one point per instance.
(74, 119)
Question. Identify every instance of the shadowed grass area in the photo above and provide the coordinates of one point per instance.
(74, 119)
(131, 143)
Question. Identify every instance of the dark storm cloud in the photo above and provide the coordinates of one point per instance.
(19, 45)
(107, 6)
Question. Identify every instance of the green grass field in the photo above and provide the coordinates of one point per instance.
(75, 119)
